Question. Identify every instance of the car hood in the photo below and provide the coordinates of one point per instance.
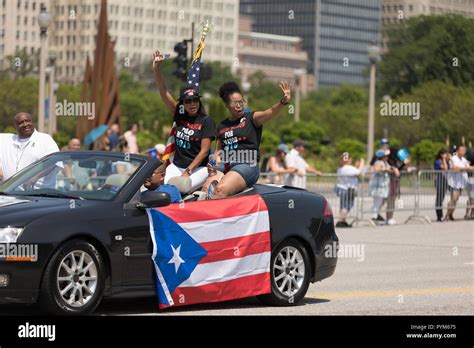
(19, 211)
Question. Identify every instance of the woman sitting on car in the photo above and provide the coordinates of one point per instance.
(195, 130)
(239, 139)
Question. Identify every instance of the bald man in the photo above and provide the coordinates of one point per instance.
(19, 150)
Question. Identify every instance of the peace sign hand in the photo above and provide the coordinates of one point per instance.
(285, 87)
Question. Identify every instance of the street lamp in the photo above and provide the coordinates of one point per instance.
(207, 98)
(246, 88)
(299, 73)
(374, 53)
(53, 88)
(44, 19)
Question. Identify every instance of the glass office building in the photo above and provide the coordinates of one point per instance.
(335, 33)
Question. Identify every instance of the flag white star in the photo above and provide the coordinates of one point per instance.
(176, 259)
(194, 75)
(197, 69)
(197, 84)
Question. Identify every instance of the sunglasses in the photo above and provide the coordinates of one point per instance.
(237, 103)
(192, 100)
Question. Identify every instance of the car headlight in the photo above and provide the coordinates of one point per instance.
(10, 234)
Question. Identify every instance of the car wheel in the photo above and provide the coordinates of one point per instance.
(290, 270)
(74, 280)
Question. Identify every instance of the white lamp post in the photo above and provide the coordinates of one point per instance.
(44, 19)
(298, 74)
(246, 88)
(374, 53)
(53, 88)
(207, 98)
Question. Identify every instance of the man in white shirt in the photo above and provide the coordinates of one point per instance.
(18, 151)
(294, 159)
(457, 180)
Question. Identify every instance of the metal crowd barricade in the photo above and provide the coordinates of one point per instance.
(412, 193)
(400, 196)
(434, 192)
(325, 184)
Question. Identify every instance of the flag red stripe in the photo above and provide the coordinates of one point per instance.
(249, 286)
(234, 248)
(206, 210)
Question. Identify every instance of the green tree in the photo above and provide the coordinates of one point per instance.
(308, 132)
(23, 64)
(9, 129)
(142, 106)
(15, 96)
(263, 93)
(147, 139)
(220, 73)
(69, 93)
(61, 138)
(269, 143)
(424, 152)
(355, 148)
(428, 48)
(340, 112)
(445, 110)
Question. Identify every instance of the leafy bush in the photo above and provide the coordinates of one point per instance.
(147, 140)
(9, 129)
(61, 139)
(308, 132)
(355, 148)
(425, 151)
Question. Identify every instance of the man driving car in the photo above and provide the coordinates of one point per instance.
(156, 183)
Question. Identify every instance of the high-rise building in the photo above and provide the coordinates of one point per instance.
(19, 29)
(335, 33)
(280, 58)
(138, 28)
(395, 11)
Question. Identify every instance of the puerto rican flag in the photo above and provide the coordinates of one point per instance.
(211, 251)
(168, 154)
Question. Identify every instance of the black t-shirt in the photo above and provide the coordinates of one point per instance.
(241, 135)
(189, 133)
(395, 162)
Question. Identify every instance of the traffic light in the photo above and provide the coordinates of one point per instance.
(181, 60)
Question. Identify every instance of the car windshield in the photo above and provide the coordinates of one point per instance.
(77, 176)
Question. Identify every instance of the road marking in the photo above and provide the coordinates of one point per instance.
(391, 293)
(469, 263)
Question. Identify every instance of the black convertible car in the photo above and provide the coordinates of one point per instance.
(74, 229)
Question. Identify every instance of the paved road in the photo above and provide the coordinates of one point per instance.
(418, 269)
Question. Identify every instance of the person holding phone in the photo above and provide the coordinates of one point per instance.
(195, 130)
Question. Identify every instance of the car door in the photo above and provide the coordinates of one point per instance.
(137, 247)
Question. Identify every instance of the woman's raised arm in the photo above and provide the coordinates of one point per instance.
(168, 99)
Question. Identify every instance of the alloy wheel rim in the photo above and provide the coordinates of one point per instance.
(289, 271)
(77, 278)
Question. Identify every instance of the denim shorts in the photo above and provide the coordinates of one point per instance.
(249, 173)
(346, 198)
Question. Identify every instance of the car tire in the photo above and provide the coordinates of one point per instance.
(69, 287)
(297, 273)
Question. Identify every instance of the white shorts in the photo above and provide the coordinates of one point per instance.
(198, 177)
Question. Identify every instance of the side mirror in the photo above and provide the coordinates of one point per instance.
(153, 199)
